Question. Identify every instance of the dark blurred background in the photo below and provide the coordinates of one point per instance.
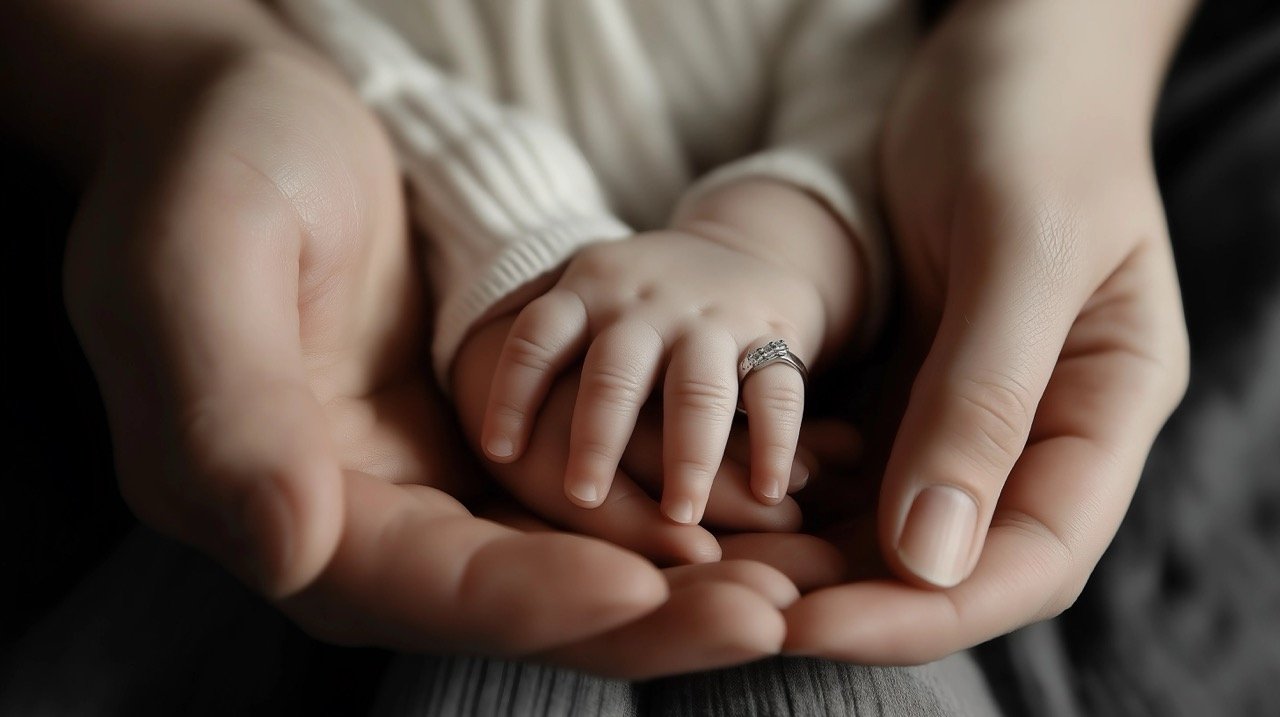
(1181, 618)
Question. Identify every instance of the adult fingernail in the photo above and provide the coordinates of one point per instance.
(500, 447)
(799, 475)
(681, 511)
(938, 536)
(586, 493)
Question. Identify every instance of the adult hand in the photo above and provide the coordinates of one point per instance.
(1038, 270)
(240, 277)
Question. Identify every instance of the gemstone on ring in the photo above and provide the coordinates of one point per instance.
(775, 351)
(762, 355)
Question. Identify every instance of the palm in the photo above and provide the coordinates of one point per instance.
(242, 280)
(287, 196)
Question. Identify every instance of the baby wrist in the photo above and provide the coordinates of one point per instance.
(821, 218)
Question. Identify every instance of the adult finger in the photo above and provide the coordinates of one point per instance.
(1122, 371)
(546, 337)
(768, 582)
(618, 374)
(698, 405)
(414, 570)
(703, 625)
(809, 562)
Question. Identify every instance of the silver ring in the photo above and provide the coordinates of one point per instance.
(775, 351)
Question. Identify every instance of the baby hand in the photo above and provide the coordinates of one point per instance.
(684, 306)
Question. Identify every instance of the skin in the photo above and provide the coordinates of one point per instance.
(242, 280)
(261, 407)
(1045, 311)
(746, 264)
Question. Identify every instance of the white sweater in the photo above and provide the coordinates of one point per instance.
(529, 128)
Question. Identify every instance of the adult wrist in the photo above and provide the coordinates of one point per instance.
(1116, 51)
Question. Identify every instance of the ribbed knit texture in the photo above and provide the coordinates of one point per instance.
(460, 686)
(527, 129)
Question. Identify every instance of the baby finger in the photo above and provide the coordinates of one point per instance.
(773, 383)
(545, 338)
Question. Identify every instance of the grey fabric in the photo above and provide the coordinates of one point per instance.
(808, 687)
(787, 687)
(158, 630)
(434, 685)
(1182, 616)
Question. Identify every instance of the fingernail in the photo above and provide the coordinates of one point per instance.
(586, 493)
(799, 475)
(938, 536)
(681, 511)
(500, 447)
(771, 491)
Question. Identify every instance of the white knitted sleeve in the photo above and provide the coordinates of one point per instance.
(502, 197)
(835, 74)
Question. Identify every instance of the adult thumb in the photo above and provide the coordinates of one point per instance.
(193, 331)
(1009, 304)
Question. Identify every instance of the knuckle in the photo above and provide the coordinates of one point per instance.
(506, 411)
(595, 451)
(786, 327)
(778, 454)
(613, 385)
(526, 352)
(597, 261)
(706, 396)
(693, 469)
(1000, 412)
(1054, 553)
(775, 460)
(783, 402)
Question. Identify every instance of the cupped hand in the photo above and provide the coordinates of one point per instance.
(1042, 290)
(241, 280)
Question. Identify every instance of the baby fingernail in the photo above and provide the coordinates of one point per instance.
(771, 491)
(681, 511)
(500, 447)
(586, 493)
(938, 536)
